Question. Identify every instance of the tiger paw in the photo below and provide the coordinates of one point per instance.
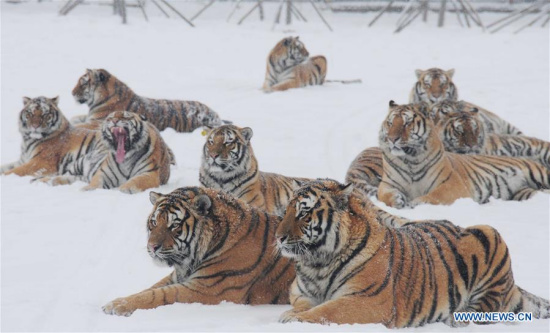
(400, 201)
(118, 307)
(289, 317)
(129, 189)
(46, 180)
(88, 188)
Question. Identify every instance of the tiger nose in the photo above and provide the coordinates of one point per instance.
(214, 155)
(393, 139)
(154, 247)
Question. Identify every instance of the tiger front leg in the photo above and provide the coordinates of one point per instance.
(300, 303)
(153, 298)
(346, 310)
(56, 180)
(392, 197)
(7, 167)
(289, 84)
(141, 182)
(31, 169)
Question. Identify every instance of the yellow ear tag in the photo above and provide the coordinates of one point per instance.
(203, 132)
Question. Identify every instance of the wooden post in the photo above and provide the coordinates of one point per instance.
(288, 12)
(441, 20)
(380, 14)
(160, 8)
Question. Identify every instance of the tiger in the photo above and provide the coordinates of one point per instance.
(289, 66)
(352, 269)
(434, 85)
(51, 145)
(464, 133)
(418, 170)
(134, 157)
(104, 93)
(221, 248)
(493, 124)
(229, 164)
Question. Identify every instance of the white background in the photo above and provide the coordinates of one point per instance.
(65, 253)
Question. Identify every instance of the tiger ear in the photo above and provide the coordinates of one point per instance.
(392, 104)
(247, 133)
(143, 117)
(474, 110)
(26, 100)
(451, 72)
(154, 197)
(418, 73)
(202, 204)
(102, 77)
(287, 41)
(88, 71)
(55, 100)
(296, 184)
(346, 189)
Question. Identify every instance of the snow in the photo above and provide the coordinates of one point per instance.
(65, 253)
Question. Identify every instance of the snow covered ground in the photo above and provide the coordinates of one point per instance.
(65, 253)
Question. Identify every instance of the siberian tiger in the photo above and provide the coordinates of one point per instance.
(220, 248)
(350, 268)
(433, 85)
(104, 93)
(289, 66)
(51, 145)
(134, 157)
(464, 133)
(492, 123)
(228, 164)
(418, 170)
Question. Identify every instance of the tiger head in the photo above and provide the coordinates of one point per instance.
(178, 225)
(124, 132)
(93, 86)
(435, 85)
(463, 133)
(227, 150)
(312, 227)
(439, 112)
(289, 52)
(41, 117)
(406, 130)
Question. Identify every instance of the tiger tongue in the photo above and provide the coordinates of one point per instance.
(120, 136)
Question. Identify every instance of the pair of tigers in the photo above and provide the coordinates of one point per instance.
(289, 66)
(411, 166)
(126, 153)
(339, 261)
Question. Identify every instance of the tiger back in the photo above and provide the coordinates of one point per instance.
(289, 66)
(464, 133)
(433, 85)
(351, 269)
(221, 249)
(366, 170)
(418, 170)
(104, 93)
(51, 145)
(228, 164)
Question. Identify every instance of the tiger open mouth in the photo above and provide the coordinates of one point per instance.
(121, 135)
(405, 150)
